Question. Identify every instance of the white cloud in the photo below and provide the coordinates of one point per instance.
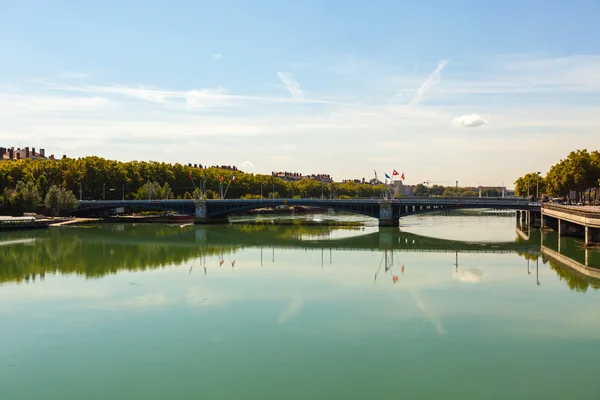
(205, 98)
(217, 56)
(469, 121)
(246, 165)
(433, 78)
(292, 85)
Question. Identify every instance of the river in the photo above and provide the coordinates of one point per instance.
(453, 306)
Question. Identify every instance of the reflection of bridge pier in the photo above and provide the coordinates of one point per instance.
(532, 218)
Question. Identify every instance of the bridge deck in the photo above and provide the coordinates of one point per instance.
(376, 208)
(587, 216)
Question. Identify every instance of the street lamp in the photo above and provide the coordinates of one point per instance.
(457, 189)
(537, 186)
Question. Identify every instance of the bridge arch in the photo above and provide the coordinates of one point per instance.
(216, 208)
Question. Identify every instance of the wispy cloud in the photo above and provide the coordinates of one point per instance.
(40, 104)
(217, 56)
(208, 96)
(429, 312)
(433, 78)
(469, 121)
(151, 95)
(291, 84)
(291, 310)
(205, 98)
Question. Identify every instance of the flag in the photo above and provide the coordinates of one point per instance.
(395, 173)
(233, 177)
(387, 176)
(403, 176)
(221, 178)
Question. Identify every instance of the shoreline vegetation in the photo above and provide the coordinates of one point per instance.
(575, 179)
(52, 187)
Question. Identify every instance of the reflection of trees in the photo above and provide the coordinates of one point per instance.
(574, 280)
(63, 251)
(295, 230)
(94, 251)
(528, 255)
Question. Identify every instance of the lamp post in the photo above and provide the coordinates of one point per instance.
(457, 189)
(537, 186)
(104, 191)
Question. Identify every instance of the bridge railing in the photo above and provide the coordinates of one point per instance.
(573, 211)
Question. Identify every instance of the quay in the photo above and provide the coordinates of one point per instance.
(572, 221)
(16, 223)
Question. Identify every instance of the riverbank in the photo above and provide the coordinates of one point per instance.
(8, 223)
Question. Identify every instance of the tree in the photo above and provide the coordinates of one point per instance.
(150, 191)
(27, 195)
(421, 190)
(436, 190)
(59, 200)
(526, 185)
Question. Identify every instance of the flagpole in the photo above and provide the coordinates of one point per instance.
(385, 194)
(229, 183)
(193, 183)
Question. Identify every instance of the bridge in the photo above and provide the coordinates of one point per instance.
(388, 212)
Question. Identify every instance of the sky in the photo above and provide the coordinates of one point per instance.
(478, 92)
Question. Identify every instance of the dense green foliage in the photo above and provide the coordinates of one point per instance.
(579, 172)
(59, 200)
(95, 178)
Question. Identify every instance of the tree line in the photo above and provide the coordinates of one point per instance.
(25, 184)
(578, 173)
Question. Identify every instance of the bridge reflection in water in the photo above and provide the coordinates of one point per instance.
(100, 250)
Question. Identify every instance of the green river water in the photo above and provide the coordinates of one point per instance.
(454, 306)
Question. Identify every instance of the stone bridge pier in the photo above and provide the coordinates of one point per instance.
(201, 215)
(386, 215)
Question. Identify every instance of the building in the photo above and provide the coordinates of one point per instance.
(287, 176)
(226, 167)
(24, 153)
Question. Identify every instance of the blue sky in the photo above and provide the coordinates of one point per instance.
(444, 91)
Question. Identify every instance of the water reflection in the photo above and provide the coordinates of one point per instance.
(96, 251)
(577, 266)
